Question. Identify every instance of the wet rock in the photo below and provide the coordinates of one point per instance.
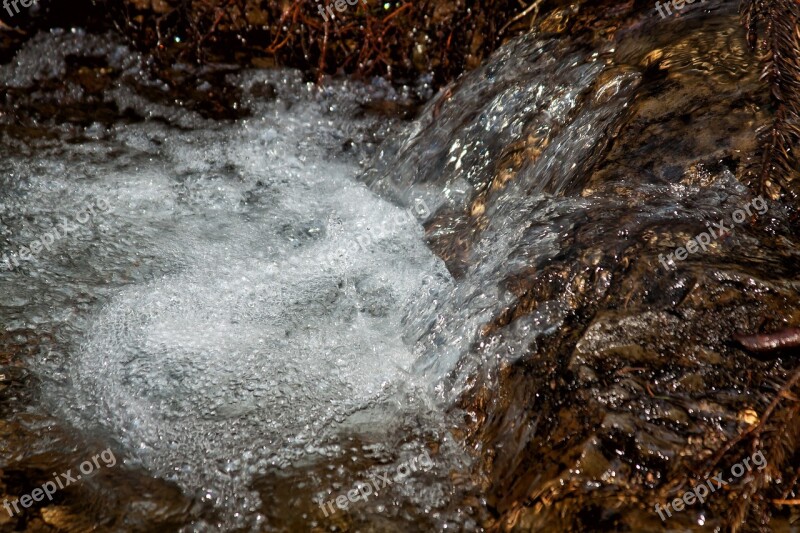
(641, 361)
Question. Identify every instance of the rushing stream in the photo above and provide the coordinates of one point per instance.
(241, 291)
(257, 314)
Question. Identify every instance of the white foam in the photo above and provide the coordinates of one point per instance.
(239, 315)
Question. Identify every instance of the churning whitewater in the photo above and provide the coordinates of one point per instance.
(257, 295)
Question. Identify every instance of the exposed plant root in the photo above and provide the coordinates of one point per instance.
(400, 40)
(787, 338)
(756, 429)
(785, 502)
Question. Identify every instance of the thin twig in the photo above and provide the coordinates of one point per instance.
(534, 5)
(321, 69)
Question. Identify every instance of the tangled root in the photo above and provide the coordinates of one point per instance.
(399, 40)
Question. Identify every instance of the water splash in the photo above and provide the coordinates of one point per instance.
(249, 290)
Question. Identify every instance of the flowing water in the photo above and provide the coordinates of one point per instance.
(264, 309)
(236, 293)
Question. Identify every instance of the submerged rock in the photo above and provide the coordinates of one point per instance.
(598, 382)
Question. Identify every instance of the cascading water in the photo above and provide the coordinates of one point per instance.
(561, 101)
(256, 323)
(507, 161)
(563, 174)
(250, 295)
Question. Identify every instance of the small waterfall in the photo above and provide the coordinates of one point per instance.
(501, 157)
(277, 305)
